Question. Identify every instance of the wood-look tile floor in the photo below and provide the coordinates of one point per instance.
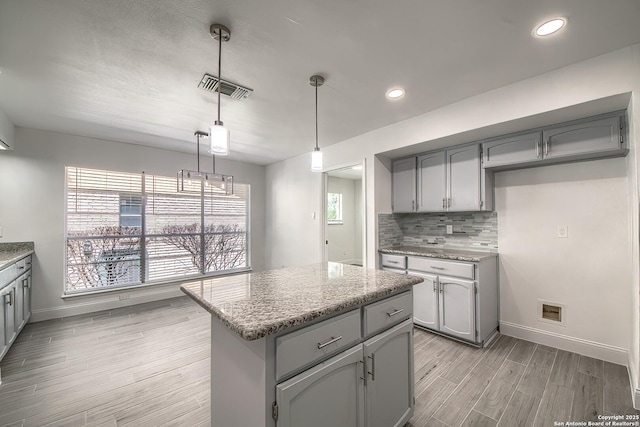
(148, 365)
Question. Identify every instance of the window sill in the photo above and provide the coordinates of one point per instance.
(335, 223)
(147, 285)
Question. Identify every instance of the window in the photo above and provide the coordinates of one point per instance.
(125, 229)
(334, 208)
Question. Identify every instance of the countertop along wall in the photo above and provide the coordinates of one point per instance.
(590, 87)
(33, 197)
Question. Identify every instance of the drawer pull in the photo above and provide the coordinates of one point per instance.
(395, 312)
(21, 268)
(393, 262)
(331, 341)
(438, 268)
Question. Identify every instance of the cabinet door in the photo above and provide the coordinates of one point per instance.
(512, 151)
(404, 185)
(425, 301)
(583, 138)
(389, 390)
(463, 178)
(431, 182)
(8, 298)
(25, 288)
(329, 394)
(457, 307)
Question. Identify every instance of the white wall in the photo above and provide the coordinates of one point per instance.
(589, 272)
(294, 211)
(7, 130)
(32, 207)
(544, 99)
(342, 237)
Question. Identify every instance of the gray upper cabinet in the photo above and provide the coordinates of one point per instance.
(591, 138)
(404, 185)
(512, 150)
(463, 178)
(389, 386)
(596, 136)
(431, 182)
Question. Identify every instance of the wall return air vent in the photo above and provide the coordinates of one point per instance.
(235, 91)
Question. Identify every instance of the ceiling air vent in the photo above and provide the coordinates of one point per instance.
(235, 91)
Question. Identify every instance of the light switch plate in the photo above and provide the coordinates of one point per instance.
(449, 229)
(563, 231)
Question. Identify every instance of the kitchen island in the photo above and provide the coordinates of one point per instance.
(326, 344)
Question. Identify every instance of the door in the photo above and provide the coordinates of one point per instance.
(404, 185)
(8, 298)
(582, 138)
(329, 394)
(425, 301)
(512, 151)
(463, 178)
(389, 388)
(431, 182)
(457, 307)
(344, 215)
(25, 286)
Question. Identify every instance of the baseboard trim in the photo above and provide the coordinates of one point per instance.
(593, 349)
(104, 302)
(632, 370)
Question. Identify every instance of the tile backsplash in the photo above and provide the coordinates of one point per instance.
(471, 230)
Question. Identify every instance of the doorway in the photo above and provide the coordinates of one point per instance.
(344, 218)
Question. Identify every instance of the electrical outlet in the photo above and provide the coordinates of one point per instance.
(449, 229)
(563, 231)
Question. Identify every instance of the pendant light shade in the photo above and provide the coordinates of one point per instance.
(219, 139)
(316, 155)
(316, 160)
(218, 134)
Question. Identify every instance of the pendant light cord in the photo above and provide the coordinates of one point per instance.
(219, 69)
(316, 85)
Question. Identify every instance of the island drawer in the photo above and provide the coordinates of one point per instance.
(446, 268)
(394, 261)
(386, 313)
(305, 346)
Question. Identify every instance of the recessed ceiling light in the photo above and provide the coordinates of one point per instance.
(550, 27)
(395, 93)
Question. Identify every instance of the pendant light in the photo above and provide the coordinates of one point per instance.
(192, 181)
(218, 134)
(316, 154)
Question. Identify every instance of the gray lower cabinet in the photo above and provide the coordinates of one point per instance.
(456, 298)
(457, 307)
(591, 138)
(404, 185)
(330, 394)
(389, 387)
(15, 301)
(368, 384)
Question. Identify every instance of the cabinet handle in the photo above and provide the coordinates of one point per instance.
(395, 312)
(24, 283)
(413, 205)
(21, 268)
(365, 372)
(437, 268)
(373, 367)
(434, 286)
(546, 147)
(10, 294)
(449, 202)
(444, 202)
(441, 285)
(393, 262)
(331, 341)
(537, 149)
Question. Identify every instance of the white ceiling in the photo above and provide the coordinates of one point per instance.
(128, 70)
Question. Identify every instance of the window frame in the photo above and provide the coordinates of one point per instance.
(145, 235)
(339, 220)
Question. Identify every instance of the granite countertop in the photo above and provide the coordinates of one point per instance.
(255, 305)
(453, 254)
(12, 252)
